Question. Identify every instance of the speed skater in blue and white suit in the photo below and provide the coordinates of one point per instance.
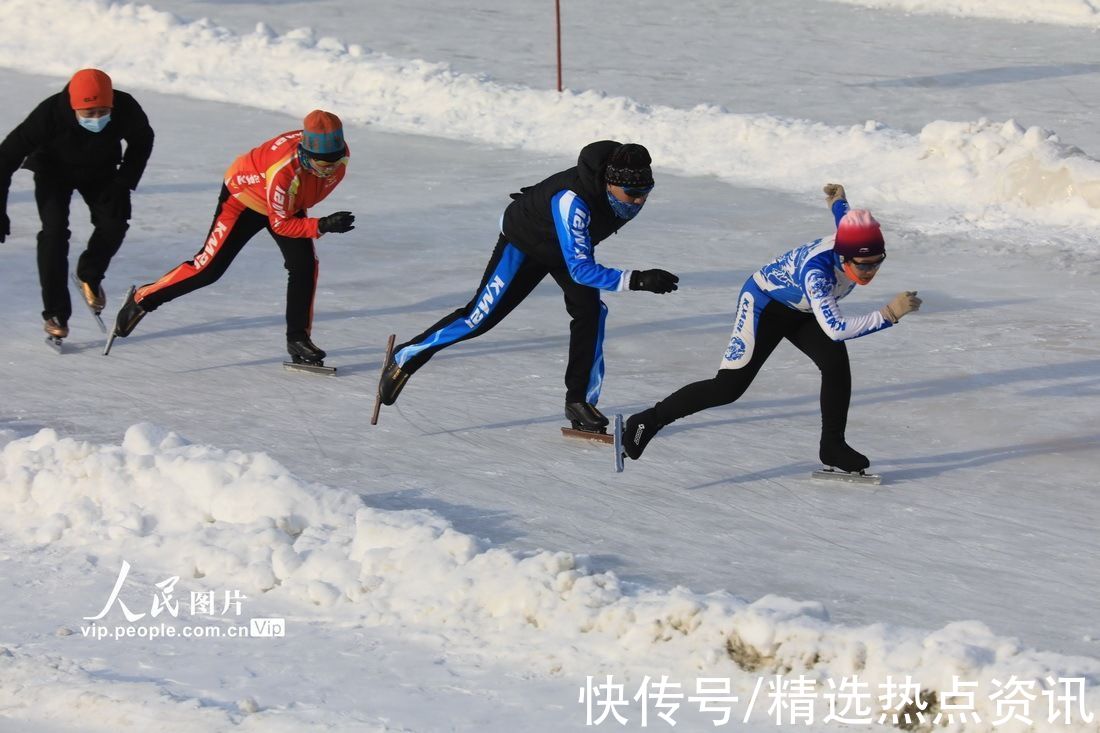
(551, 228)
(795, 298)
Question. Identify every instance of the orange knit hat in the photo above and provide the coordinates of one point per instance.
(91, 88)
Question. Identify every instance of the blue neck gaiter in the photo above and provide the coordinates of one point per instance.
(622, 209)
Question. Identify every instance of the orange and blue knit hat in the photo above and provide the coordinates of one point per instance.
(322, 134)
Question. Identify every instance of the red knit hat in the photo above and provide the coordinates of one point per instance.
(91, 88)
(859, 235)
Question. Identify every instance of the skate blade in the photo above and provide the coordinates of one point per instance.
(378, 391)
(109, 344)
(835, 474)
(618, 440)
(589, 435)
(292, 366)
(55, 343)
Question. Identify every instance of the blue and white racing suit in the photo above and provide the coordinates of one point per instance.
(793, 298)
(808, 279)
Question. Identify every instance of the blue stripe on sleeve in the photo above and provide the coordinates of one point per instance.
(571, 216)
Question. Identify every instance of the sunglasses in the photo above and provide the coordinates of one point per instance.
(333, 157)
(636, 192)
(873, 265)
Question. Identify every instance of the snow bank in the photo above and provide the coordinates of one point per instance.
(1009, 172)
(1061, 12)
(244, 520)
(55, 693)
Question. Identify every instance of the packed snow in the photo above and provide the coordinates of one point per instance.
(460, 567)
(232, 518)
(1064, 12)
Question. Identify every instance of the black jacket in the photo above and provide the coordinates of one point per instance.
(51, 141)
(528, 221)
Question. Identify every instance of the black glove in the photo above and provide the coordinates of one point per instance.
(5, 225)
(114, 200)
(655, 281)
(340, 222)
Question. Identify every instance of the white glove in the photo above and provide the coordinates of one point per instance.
(833, 192)
(902, 304)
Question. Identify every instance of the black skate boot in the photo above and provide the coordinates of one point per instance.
(838, 454)
(392, 382)
(638, 431)
(128, 316)
(304, 351)
(586, 417)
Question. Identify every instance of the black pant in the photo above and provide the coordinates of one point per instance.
(776, 323)
(53, 195)
(229, 233)
(509, 278)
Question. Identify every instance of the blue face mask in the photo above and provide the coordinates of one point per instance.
(94, 124)
(623, 209)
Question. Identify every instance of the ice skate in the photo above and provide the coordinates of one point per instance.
(839, 454)
(129, 315)
(586, 417)
(638, 431)
(378, 392)
(55, 328)
(307, 357)
(304, 351)
(588, 423)
(94, 297)
(392, 382)
(620, 454)
(55, 332)
(844, 463)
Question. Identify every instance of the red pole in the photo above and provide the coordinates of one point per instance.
(557, 19)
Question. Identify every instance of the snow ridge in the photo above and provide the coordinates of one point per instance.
(243, 518)
(1082, 13)
(1012, 174)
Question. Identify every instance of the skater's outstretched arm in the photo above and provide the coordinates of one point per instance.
(571, 218)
